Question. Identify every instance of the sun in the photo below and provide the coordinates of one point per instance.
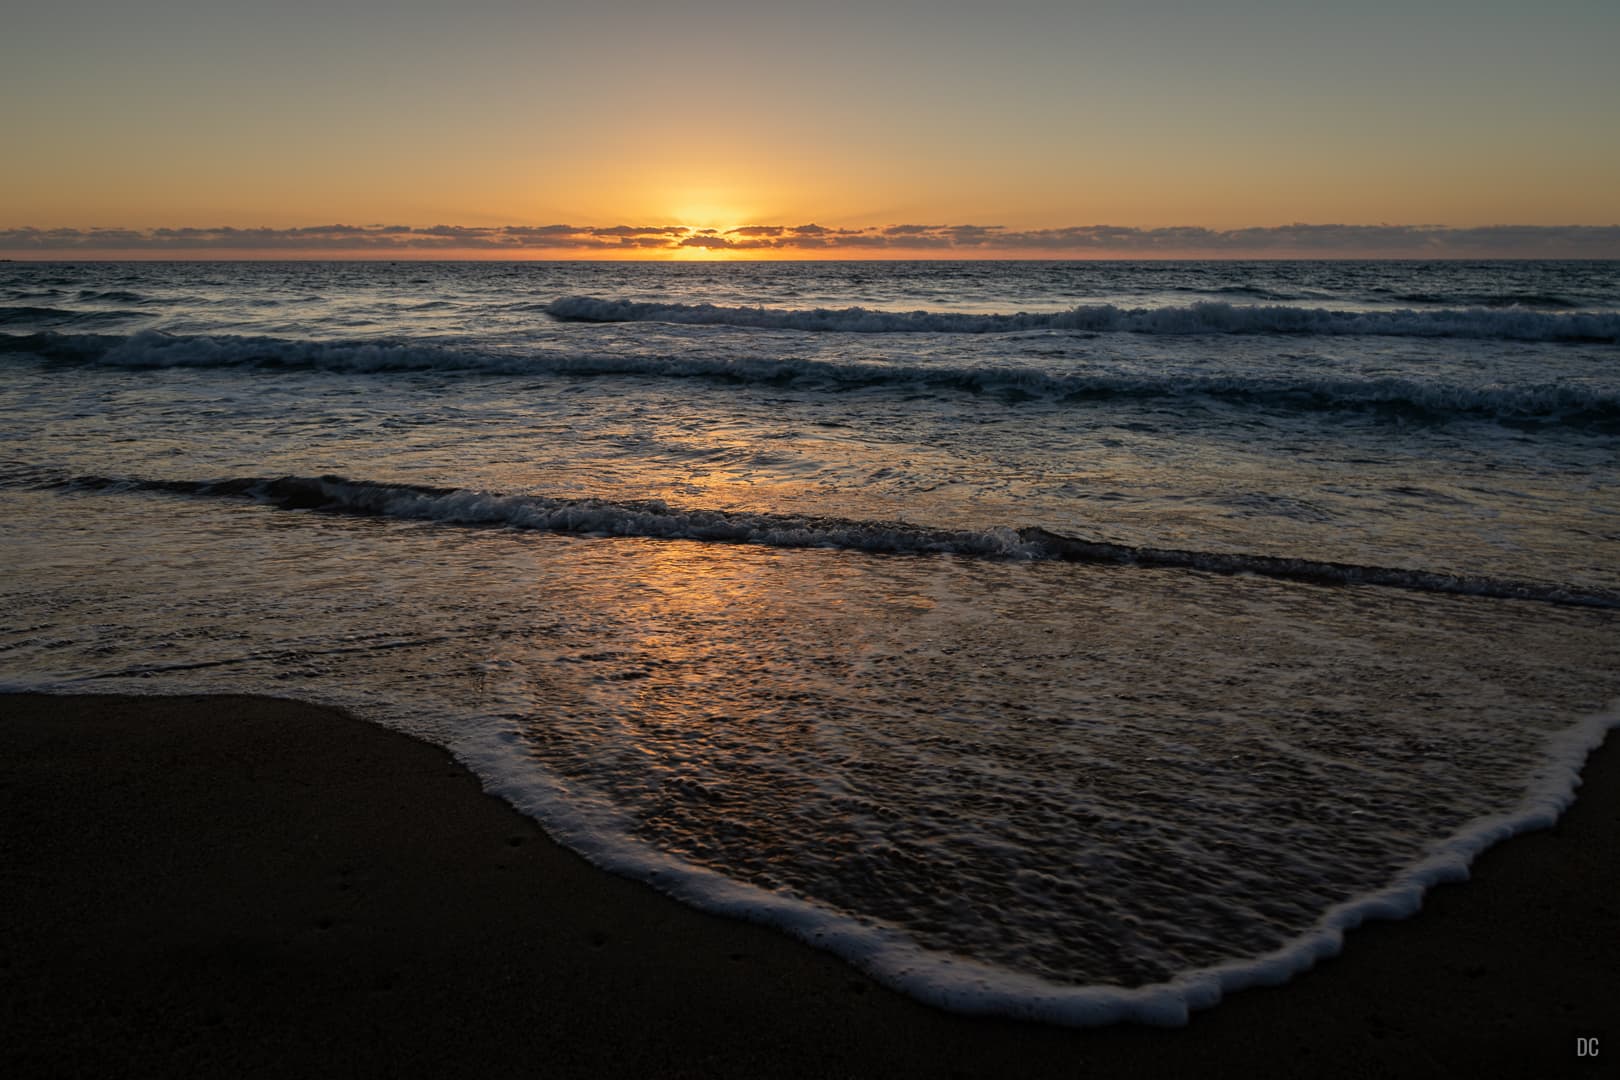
(704, 254)
(708, 217)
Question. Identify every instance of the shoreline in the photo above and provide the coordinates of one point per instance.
(228, 885)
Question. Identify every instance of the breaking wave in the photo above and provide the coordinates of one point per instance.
(1563, 401)
(1205, 318)
(658, 520)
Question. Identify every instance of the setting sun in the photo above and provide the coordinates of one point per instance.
(1009, 131)
(709, 213)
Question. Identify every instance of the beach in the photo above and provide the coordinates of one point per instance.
(225, 885)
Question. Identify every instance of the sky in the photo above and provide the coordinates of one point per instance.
(1016, 127)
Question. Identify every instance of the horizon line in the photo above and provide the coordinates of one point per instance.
(900, 242)
(339, 257)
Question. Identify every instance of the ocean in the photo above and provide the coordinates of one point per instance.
(1075, 641)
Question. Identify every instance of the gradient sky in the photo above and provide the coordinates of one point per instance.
(1025, 115)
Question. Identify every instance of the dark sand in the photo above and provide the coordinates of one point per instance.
(227, 886)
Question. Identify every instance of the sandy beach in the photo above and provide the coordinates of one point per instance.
(246, 886)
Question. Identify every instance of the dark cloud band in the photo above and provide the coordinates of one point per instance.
(1409, 241)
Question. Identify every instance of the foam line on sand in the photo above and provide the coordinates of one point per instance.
(249, 886)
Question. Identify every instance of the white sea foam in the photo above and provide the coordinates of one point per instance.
(961, 985)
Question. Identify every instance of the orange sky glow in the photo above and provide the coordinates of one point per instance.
(1102, 128)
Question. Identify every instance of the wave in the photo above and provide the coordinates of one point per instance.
(51, 316)
(28, 313)
(657, 520)
(119, 296)
(1564, 402)
(1252, 292)
(1491, 300)
(157, 349)
(1211, 317)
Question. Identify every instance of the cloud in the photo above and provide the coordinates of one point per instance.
(1300, 240)
(971, 235)
(635, 230)
(525, 232)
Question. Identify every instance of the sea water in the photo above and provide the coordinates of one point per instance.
(1077, 641)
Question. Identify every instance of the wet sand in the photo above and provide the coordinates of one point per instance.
(244, 886)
